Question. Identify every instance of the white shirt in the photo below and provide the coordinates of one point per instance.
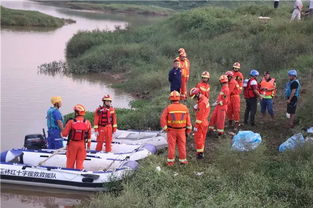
(253, 82)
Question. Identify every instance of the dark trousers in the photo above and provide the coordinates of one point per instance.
(251, 108)
(276, 3)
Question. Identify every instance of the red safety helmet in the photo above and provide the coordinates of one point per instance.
(80, 109)
(223, 79)
(194, 91)
(229, 73)
(236, 65)
(107, 98)
(174, 96)
(205, 74)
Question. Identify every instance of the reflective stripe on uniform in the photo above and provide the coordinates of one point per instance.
(221, 93)
(170, 160)
(203, 89)
(198, 121)
(221, 102)
(189, 127)
(182, 160)
(95, 126)
(164, 128)
(208, 105)
(177, 122)
(211, 127)
(200, 150)
(112, 112)
(115, 126)
(220, 130)
(178, 112)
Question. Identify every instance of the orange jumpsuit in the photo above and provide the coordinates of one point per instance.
(202, 123)
(185, 68)
(218, 117)
(233, 109)
(239, 78)
(204, 89)
(175, 119)
(76, 150)
(105, 123)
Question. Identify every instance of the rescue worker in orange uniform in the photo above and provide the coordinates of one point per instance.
(175, 120)
(201, 125)
(204, 85)
(238, 75)
(78, 131)
(184, 65)
(233, 108)
(267, 91)
(105, 124)
(219, 114)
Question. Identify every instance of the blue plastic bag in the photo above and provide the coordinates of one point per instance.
(246, 141)
(292, 142)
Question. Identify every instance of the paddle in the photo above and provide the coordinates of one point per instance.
(55, 153)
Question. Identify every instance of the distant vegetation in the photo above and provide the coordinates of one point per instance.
(21, 18)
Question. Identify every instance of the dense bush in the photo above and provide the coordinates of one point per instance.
(12, 17)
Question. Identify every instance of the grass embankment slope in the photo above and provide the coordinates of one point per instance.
(21, 18)
(214, 38)
(115, 7)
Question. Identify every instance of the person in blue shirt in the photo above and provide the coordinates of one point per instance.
(55, 124)
(292, 93)
(174, 77)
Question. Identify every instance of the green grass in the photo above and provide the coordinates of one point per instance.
(121, 8)
(214, 38)
(21, 18)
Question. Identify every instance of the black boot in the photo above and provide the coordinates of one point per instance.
(200, 156)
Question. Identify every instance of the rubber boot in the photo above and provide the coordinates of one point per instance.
(200, 155)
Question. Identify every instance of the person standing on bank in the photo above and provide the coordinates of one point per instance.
(55, 124)
(292, 93)
(174, 77)
(297, 8)
(251, 94)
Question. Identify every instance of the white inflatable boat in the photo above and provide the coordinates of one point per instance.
(159, 140)
(21, 167)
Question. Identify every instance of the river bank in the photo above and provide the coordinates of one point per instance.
(22, 18)
(214, 38)
(114, 7)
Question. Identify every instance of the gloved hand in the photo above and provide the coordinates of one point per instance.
(195, 107)
(195, 129)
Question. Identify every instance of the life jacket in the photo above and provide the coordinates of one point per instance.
(268, 85)
(105, 117)
(288, 88)
(204, 88)
(79, 130)
(51, 122)
(248, 90)
(177, 116)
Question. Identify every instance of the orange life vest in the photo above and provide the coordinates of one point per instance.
(79, 130)
(177, 116)
(269, 85)
(105, 117)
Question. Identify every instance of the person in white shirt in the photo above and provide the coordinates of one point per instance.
(311, 7)
(296, 14)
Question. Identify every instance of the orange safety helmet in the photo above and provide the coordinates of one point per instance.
(229, 73)
(236, 65)
(80, 109)
(107, 98)
(223, 79)
(194, 91)
(174, 96)
(205, 74)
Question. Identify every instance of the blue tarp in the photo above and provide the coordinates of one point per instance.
(246, 141)
(291, 143)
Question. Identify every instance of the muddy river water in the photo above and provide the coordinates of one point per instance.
(25, 94)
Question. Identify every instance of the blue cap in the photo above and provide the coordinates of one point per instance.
(254, 73)
(292, 72)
